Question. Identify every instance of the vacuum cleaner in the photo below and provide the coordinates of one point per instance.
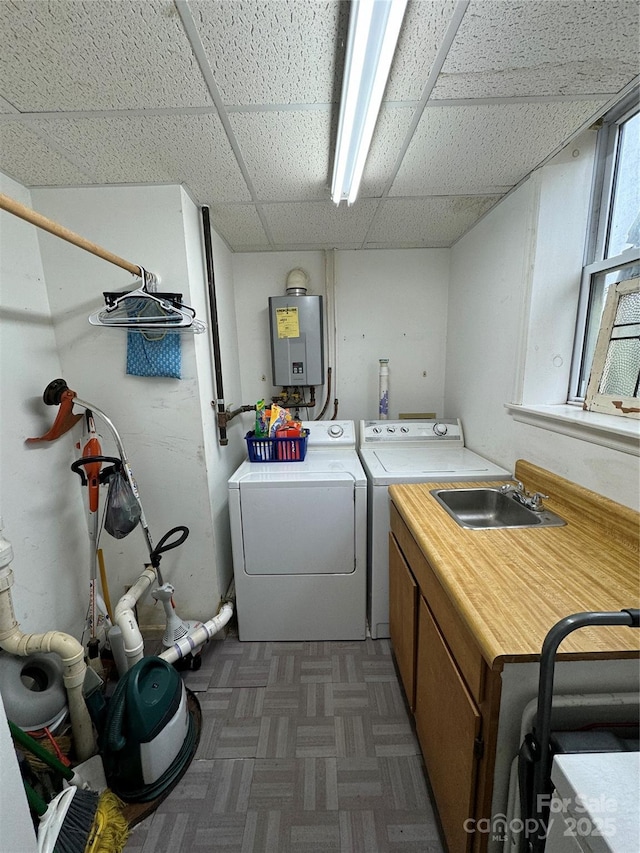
(149, 735)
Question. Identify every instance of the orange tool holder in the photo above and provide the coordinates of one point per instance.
(65, 419)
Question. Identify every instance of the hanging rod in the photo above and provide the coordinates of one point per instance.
(40, 221)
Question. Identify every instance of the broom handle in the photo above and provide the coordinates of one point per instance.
(40, 752)
(35, 800)
(40, 221)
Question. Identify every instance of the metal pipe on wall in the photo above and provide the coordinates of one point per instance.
(215, 332)
(332, 329)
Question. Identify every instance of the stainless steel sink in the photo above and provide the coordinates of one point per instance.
(482, 508)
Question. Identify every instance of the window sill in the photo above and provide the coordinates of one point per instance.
(616, 433)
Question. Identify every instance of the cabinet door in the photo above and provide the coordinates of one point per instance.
(448, 724)
(403, 613)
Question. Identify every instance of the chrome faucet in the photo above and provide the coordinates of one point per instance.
(534, 501)
(508, 489)
(519, 493)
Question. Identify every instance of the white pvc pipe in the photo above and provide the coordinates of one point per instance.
(132, 639)
(16, 642)
(125, 619)
(201, 634)
(383, 396)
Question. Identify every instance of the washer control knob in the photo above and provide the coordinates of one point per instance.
(336, 430)
(391, 429)
(440, 429)
(377, 430)
(404, 429)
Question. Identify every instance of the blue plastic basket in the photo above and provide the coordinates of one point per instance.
(276, 449)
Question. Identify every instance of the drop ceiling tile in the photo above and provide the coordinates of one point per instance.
(485, 148)
(6, 107)
(434, 222)
(319, 224)
(423, 29)
(27, 158)
(507, 48)
(96, 55)
(274, 52)
(388, 140)
(187, 149)
(240, 226)
(286, 152)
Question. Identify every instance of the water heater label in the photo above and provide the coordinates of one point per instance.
(287, 322)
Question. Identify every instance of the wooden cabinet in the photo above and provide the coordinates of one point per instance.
(448, 724)
(452, 692)
(468, 632)
(403, 619)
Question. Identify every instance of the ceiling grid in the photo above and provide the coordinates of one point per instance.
(237, 100)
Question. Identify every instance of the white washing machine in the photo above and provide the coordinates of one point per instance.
(408, 452)
(299, 541)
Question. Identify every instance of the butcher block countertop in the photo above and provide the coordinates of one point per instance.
(510, 586)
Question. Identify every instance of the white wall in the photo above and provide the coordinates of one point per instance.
(489, 269)
(18, 835)
(160, 420)
(43, 518)
(44, 526)
(563, 197)
(388, 304)
(256, 277)
(168, 426)
(392, 304)
(513, 295)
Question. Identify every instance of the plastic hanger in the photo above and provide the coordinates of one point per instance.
(142, 310)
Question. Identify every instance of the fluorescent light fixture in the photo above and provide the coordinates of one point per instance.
(374, 26)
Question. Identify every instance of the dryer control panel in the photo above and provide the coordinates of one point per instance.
(330, 433)
(426, 432)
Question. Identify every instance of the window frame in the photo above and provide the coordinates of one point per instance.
(595, 399)
(607, 147)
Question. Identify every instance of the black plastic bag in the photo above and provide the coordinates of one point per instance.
(123, 510)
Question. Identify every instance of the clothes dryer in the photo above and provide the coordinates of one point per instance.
(299, 541)
(408, 452)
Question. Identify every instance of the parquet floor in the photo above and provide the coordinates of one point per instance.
(304, 747)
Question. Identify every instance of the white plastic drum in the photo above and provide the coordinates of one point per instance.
(32, 690)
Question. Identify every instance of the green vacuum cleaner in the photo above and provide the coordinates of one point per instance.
(149, 735)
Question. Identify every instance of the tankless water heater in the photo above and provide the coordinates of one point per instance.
(297, 356)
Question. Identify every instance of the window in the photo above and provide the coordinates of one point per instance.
(613, 257)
